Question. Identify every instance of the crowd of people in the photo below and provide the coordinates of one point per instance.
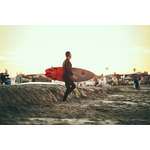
(4, 77)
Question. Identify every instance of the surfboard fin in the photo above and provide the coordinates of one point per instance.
(50, 76)
(54, 78)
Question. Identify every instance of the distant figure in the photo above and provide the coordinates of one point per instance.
(140, 82)
(8, 81)
(136, 83)
(100, 83)
(96, 81)
(6, 71)
(67, 66)
(3, 78)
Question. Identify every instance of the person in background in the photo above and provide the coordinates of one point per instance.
(8, 81)
(99, 84)
(3, 78)
(6, 71)
(140, 82)
(102, 83)
(96, 81)
(136, 83)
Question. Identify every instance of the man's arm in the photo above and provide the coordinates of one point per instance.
(68, 68)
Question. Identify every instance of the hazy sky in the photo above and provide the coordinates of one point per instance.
(32, 49)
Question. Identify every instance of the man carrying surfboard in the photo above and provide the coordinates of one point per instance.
(67, 66)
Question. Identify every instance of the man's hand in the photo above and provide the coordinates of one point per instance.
(75, 78)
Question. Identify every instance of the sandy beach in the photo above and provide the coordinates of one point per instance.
(41, 105)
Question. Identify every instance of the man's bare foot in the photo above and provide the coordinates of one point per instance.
(63, 102)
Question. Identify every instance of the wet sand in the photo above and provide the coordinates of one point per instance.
(41, 105)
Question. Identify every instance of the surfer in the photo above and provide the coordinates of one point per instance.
(67, 76)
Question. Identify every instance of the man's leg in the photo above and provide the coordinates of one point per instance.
(69, 90)
(67, 83)
(73, 86)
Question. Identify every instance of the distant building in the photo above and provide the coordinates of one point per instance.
(38, 78)
(145, 73)
(145, 78)
(112, 79)
(120, 79)
(88, 83)
(21, 78)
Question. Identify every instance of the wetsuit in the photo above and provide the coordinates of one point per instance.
(67, 78)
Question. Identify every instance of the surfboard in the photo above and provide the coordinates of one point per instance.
(56, 73)
(29, 83)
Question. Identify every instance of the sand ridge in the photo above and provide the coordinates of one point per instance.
(41, 104)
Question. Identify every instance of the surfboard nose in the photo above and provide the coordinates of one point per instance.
(82, 74)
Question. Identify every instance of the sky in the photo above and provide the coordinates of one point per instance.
(34, 48)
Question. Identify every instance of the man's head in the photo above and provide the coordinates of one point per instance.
(68, 55)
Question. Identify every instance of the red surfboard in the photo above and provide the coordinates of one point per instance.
(56, 73)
